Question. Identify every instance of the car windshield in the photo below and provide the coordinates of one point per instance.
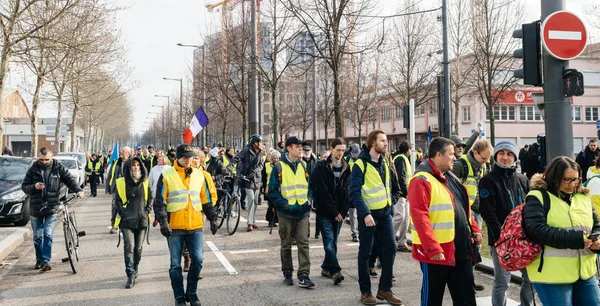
(13, 170)
(68, 163)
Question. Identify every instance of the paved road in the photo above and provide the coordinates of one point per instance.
(243, 269)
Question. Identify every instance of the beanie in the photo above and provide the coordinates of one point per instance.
(506, 145)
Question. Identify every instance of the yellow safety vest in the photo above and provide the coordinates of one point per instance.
(268, 169)
(91, 167)
(375, 193)
(112, 172)
(407, 166)
(294, 186)
(565, 266)
(177, 198)
(226, 163)
(471, 181)
(123, 192)
(350, 163)
(441, 211)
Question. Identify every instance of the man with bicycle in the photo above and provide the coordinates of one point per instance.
(42, 182)
(250, 164)
(180, 209)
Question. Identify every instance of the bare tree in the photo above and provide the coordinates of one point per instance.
(325, 103)
(493, 23)
(333, 26)
(362, 102)
(16, 27)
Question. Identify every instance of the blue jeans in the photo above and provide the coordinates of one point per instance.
(385, 242)
(579, 293)
(133, 239)
(330, 230)
(194, 246)
(502, 281)
(43, 231)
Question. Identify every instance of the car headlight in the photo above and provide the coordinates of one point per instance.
(14, 196)
(16, 209)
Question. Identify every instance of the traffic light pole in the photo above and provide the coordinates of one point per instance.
(446, 111)
(557, 108)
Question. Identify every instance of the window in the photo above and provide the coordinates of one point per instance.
(371, 115)
(530, 113)
(398, 112)
(386, 113)
(592, 113)
(466, 112)
(420, 110)
(433, 108)
(576, 113)
(502, 113)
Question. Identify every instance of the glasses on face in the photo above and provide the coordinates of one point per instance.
(570, 181)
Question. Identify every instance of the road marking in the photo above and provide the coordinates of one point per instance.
(353, 244)
(565, 35)
(221, 258)
(311, 247)
(242, 219)
(248, 251)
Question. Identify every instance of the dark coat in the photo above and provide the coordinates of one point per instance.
(499, 192)
(250, 165)
(49, 197)
(110, 181)
(535, 223)
(586, 158)
(331, 198)
(534, 160)
(135, 215)
(216, 170)
(401, 172)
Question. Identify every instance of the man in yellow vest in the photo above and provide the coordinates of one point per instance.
(402, 218)
(289, 192)
(373, 190)
(443, 232)
(92, 169)
(180, 208)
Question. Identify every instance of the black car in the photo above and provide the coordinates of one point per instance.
(14, 203)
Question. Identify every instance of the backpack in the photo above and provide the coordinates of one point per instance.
(515, 250)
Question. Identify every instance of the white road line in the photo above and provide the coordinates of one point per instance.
(244, 220)
(221, 258)
(353, 244)
(311, 247)
(248, 251)
(565, 35)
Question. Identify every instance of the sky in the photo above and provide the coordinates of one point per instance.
(151, 30)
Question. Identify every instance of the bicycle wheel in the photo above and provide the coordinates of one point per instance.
(75, 233)
(70, 244)
(233, 217)
(220, 211)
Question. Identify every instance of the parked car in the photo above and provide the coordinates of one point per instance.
(14, 203)
(82, 157)
(72, 164)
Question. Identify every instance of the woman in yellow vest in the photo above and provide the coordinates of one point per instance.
(133, 201)
(564, 274)
(271, 216)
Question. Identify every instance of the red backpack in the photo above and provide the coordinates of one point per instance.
(515, 250)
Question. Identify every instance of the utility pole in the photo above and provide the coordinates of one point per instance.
(253, 107)
(446, 112)
(557, 108)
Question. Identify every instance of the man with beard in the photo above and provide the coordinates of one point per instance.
(587, 157)
(115, 171)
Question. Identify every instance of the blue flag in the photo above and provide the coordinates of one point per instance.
(139, 145)
(115, 153)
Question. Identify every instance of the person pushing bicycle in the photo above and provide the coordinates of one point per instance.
(42, 182)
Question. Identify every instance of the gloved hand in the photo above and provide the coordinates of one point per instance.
(213, 226)
(165, 229)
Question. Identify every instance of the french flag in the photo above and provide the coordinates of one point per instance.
(197, 124)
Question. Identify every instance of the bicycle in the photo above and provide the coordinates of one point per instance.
(71, 234)
(231, 211)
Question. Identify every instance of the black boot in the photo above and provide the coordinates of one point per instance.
(130, 282)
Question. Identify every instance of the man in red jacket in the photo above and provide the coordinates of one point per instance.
(443, 230)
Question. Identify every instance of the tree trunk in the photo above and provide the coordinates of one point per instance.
(59, 97)
(101, 146)
(34, 114)
(492, 123)
(73, 126)
(275, 119)
(224, 133)
(3, 75)
(337, 114)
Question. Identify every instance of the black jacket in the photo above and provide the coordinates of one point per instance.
(216, 170)
(499, 192)
(331, 198)
(149, 162)
(250, 165)
(49, 197)
(135, 215)
(586, 158)
(401, 172)
(535, 224)
(110, 181)
(534, 160)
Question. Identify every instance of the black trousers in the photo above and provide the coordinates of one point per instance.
(94, 183)
(459, 280)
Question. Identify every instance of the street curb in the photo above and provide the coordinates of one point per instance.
(13, 241)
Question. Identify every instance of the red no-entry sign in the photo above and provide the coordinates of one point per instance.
(564, 35)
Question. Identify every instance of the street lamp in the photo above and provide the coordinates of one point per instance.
(169, 114)
(203, 83)
(179, 125)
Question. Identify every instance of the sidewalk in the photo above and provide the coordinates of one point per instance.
(11, 238)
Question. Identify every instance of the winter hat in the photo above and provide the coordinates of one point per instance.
(354, 150)
(506, 145)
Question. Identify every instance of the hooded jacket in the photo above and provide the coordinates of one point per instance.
(419, 197)
(586, 158)
(535, 222)
(49, 197)
(249, 164)
(135, 215)
(330, 195)
(500, 191)
(299, 211)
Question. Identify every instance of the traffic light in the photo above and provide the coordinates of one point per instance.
(406, 116)
(531, 53)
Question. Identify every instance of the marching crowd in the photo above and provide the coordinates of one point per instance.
(455, 190)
